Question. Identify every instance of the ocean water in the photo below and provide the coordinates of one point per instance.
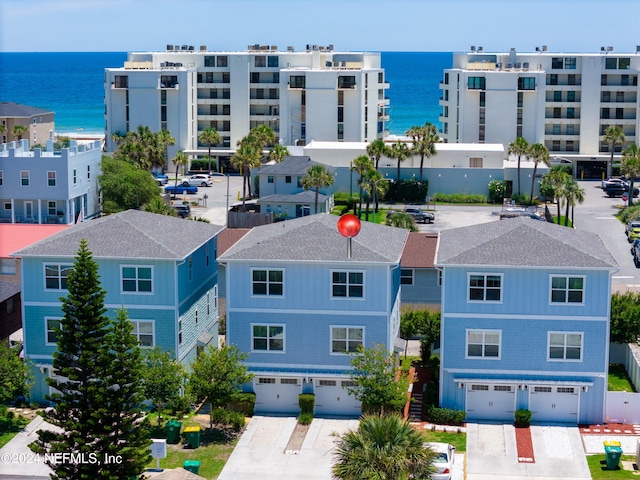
(72, 86)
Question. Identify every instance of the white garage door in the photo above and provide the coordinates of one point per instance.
(277, 395)
(490, 402)
(332, 398)
(554, 404)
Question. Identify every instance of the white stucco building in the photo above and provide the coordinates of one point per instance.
(564, 100)
(314, 94)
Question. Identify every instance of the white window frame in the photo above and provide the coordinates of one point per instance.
(59, 276)
(565, 346)
(1, 178)
(53, 177)
(267, 283)
(136, 291)
(23, 177)
(48, 330)
(566, 289)
(347, 340)
(484, 344)
(268, 338)
(136, 331)
(55, 207)
(7, 266)
(348, 285)
(407, 277)
(485, 275)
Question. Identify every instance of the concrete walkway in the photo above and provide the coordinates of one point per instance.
(492, 453)
(17, 461)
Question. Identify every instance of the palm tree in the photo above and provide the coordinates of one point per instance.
(19, 131)
(557, 179)
(162, 140)
(374, 185)
(519, 147)
(539, 153)
(400, 152)
(631, 166)
(613, 135)
(210, 136)
(377, 149)
(572, 194)
(361, 165)
(179, 160)
(316, 177)
(383, 447)
(157, 205)
(263, 135)
(247, 156)
(278, 153)
(424, 140)
(402, 220)
(3, 129)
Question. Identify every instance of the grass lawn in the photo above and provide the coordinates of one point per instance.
(618, 379)
(458, 440)
(9, 428)
(598, 468)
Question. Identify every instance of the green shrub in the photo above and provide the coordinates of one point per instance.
(445, 416)
(407, 191)
(343, 199)
(459, 198)
(219, 415)
(243, 402)
(522, 418)
(497, 190)
(339, 210)
(179, 405)
(629, 213)
(305, 418)
(236, 420)
(307, 402)
(202, 164)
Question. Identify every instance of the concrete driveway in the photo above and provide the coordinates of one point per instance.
(492, 453)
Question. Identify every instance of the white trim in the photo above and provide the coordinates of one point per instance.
(309, 312)
(136, 323)
(566, 303)
(564, 359)
(581, 318)
(552, 373)
(46, 331)
(284, 337)
(297, 366)
(484, 344)
(347, 271)
(485, 275)
(267, 294)
(44, 276)
(136, 291)
(346, 340)
(514, 381)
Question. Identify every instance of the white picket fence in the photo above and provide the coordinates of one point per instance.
(624, 407)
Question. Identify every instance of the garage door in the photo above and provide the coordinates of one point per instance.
(277, 395)
(490, 402)
(554, 404)
(332, 398)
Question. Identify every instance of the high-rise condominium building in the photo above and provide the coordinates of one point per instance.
(314, 94)
(564, 100)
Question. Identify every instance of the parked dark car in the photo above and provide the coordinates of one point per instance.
(181, 188)
(619, 190)
(183, 211)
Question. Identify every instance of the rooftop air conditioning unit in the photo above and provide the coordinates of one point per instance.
(602, 49)
(544, 48)
(480, 49)
(330, 47)
(473, 48)
(290, 48)
(203, 48)
(609, 49)
(169, 47)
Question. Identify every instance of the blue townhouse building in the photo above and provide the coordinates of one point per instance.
(525, 321)
(47, 186)
(298, 304)
(161, 269)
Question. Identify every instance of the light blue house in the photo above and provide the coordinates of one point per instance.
(46, 186)
(420, 280)
(525, 321)
(298, 304)
(161, 269)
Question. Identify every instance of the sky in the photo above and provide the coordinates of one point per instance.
(350, 25)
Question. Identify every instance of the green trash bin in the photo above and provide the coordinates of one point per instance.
(192, 436)
(173, 431)
(192, 466)
(613, 454)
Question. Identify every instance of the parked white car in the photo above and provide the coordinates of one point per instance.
(443, 461)
(199, 180)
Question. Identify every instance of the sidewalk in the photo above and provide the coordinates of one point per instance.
(22, 462)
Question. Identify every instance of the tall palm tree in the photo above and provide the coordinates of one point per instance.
(19, 131)
(179, 160)
(163, 139)
(264, 135)
(210, 136)
(317, 177)
(374, 185)
(400, 152)
(572, 194)
(361, 165)
(3, 129)
(424, 139)
(376, 149)
(520, 148)
(557, 179)
(539, 153)
(383, 447)
(631, 166)
(278, 153)
(247, 156)
(613, 136)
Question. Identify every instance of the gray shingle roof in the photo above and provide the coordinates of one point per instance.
(522, 242)
(130, 234)
(315, 238)
(289, 166)
(306, 196)
(17, 110)
(8, 290)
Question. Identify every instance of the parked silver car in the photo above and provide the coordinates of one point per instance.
(199, 180)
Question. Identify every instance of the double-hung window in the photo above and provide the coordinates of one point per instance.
(406, 276)
(24, 178)
(136, 279)
(52, 327)
(485, 287)
(55, 276)
(267, 338)
(567, 289)
(143, 331)
(267, 282)
(347, 284)
(565, 346)
(483, 343)
(51, 178)
(346, 339)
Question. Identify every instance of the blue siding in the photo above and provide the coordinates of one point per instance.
(425, 288)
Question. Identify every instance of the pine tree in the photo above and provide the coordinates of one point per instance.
(126, 439)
